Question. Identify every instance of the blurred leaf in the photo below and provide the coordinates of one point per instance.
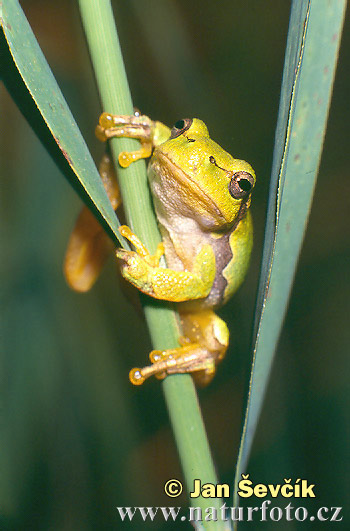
(40, 83)
(310, 62)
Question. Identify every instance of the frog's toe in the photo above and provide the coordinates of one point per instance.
(136, 377)
(126, 260)
(122, 254)
(135, 270)
(129, 260)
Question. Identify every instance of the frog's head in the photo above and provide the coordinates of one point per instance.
(201, 179)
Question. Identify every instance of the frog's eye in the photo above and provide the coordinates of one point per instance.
(180, 127)
(241, 184)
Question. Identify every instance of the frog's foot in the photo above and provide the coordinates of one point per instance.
(138, 267)
(198, 358)
(189, 359)
(134, 126)
(140, 248)
(142, 269)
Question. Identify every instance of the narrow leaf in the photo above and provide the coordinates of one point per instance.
(36, 76)
(310, 62)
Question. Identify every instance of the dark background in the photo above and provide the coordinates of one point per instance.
(77, 439)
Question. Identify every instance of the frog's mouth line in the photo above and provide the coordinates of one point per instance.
(196, 191)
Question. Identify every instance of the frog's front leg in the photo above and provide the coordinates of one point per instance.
(150, 133)
(205, 343)
(142, 270)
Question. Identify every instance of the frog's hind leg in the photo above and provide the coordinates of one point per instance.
(204, 344)
(89, 246)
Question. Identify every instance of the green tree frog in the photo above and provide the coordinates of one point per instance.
(201, 196)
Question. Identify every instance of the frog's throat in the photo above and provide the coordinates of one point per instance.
(196, 191)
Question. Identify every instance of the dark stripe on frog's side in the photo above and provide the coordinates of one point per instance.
(230, 270)
(224, 254)
(221, 290)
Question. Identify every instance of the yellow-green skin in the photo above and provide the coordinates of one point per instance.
(207, 236)
(201, 196)
(198, 218)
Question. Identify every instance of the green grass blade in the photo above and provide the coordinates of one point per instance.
(310, 62)
(40, 83)
(179, 391)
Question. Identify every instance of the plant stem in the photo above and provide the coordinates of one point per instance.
(179, 391)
